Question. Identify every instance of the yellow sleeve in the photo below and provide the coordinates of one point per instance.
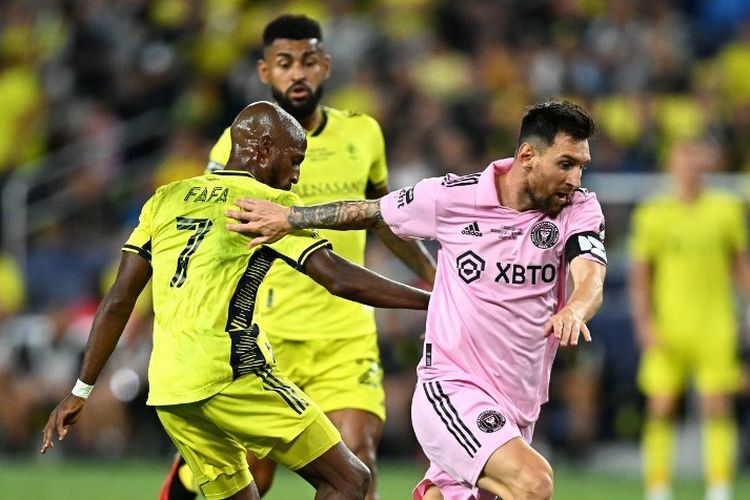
(140, 239)
(379, 168)
(641, 242)
(219, 155)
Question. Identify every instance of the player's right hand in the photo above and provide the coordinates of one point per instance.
(567, 327)
(263, 220)
(65, 415)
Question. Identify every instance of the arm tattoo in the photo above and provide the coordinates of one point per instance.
(360, 214)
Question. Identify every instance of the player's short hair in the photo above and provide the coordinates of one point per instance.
(292, 27)
(547, 119)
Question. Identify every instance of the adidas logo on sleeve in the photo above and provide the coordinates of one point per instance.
(472, 229)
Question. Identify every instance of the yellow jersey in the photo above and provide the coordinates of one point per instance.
(691, 249)
(345, 153)
(205, 283)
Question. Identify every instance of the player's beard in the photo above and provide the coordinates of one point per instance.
(549, 204)
(300, 110)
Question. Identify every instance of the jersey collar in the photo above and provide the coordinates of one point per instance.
(323, 122)
(486, 194)
(241, 173)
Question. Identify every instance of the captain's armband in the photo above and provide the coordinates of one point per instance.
(587, 243)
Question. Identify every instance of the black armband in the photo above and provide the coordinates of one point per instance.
(587, 243)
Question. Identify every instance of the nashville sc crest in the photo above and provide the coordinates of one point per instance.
(544, 234)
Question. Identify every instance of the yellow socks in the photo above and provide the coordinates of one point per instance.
(719, 450)
(658, 451)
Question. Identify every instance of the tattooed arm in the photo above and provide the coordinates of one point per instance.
(355, 214)
(269, 222)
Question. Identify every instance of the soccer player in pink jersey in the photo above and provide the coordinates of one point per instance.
(510, 236)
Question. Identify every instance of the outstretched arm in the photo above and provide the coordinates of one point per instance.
(109, 322)
(588, 284)
(268, 221)
(350, 281)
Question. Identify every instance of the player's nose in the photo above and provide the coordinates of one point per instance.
(574, 177)
(297, 73)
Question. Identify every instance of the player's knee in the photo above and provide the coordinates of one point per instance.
(363, 448)
(535, 483)
(662, 407)
(360, 480)
(716, 406)
(352, 484)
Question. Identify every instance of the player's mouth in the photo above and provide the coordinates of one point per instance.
(299, 91)
(563, 198)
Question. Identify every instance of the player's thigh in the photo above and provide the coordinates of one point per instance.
(217, 461)
(315, 440)
(513, 467)
(459, 426)
(718, 370)
(359, 429)
(663, 371)
(265, 411)
(346, 374)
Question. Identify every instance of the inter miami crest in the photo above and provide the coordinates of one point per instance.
(544, 234)
(490, 421)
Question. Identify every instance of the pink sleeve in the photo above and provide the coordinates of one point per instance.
(587, 216)
(410, 212)
(585, 230)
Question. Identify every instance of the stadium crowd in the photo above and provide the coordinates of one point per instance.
(101, 101)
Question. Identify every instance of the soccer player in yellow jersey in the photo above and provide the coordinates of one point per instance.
(345, 160)
(686, 248)
(212, 375)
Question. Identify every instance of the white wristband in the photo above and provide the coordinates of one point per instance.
(82, 389)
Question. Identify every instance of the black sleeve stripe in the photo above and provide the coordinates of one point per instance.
(587, 242)
(143, 252)
(318, 245)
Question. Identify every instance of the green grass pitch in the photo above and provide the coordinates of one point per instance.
(51, 478)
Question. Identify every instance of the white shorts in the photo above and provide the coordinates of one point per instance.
(459, 426)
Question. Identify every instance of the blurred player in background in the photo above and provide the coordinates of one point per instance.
(212, 375)
(688, 247)
(327, 345)
(510, 237)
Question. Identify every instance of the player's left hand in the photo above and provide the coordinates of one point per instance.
(567, 327)
(61, 419)
(263, 220)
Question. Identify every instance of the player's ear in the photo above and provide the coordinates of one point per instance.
(263, 69)
(264, 148)
(526, 153)
(326, 64)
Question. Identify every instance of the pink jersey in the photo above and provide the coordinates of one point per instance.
(501, 275)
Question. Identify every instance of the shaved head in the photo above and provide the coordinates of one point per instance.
(261, 119)
(268, 143)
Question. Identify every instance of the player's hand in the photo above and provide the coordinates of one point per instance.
(567, 327)
(65, 415)
(263, 220)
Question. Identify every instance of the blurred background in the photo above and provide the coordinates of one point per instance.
(101, 101)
